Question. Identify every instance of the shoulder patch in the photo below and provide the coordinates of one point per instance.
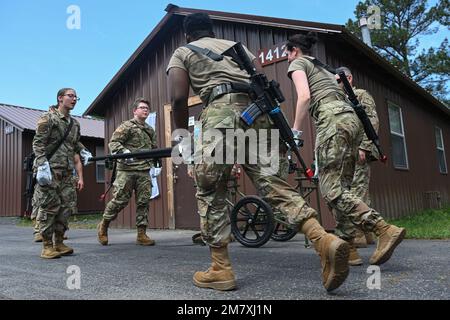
(44, 119)
(127, 124)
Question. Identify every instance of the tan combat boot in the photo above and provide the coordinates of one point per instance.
(142, 238)
(389, 237)
(37, 237)
(220, 275)
(333, 253)
(370, 237)
(102, 232)
(353, 258)
(60, 246)
(360, 239)
(48, 252)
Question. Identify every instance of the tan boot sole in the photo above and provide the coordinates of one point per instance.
(218, 285)
(356, 262)
(103, 243)
(338, 257)
(397, 238)
(66, 253)
(50, 257)
(145, 243)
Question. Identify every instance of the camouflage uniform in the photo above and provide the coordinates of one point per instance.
(338, 136)
(135, 176)
(57, 200)
(221, 114)
(34, 200)
(361, 178)
(34, 212)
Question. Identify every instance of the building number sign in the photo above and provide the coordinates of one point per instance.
(9, 129)
(275, 54)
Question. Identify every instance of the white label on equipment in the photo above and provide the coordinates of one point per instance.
(191, 121)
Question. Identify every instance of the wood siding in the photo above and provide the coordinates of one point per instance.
(397, 192)
(13, 148)
(394, 192)
(10, 169)
(88, 198)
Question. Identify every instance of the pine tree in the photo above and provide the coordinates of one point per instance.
(402, 24)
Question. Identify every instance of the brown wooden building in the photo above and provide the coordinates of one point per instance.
(415, 127)
(17, 128)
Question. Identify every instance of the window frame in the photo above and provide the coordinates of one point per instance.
(99, 153)
(402, 135)
(441, 149)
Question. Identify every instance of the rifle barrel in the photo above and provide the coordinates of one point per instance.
(144, 154)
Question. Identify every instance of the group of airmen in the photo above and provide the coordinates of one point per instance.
(343, 155)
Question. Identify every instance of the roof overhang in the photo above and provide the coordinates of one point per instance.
(97, 106)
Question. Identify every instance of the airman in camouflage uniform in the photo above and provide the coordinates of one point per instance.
(131, 136)
(79, 184)
(367, 152)
(57, 199)
(338, 137)
(223, 112)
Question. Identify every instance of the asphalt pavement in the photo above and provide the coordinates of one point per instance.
(418, 269)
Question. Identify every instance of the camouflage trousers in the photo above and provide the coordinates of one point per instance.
(211, 177)
(345, 229)
(336, 158)
(360, 183)
(56, 202)
(34, 212)
(125, 183)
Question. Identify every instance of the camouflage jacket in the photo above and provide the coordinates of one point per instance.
(80, 145)
(368, 103)
(135, 137)
(50, 130)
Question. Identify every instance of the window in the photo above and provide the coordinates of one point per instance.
(399, 155)
(440, 150)
(151, 120)
(100, 165)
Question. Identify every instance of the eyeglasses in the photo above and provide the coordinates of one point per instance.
(71, 96)
(143, 108)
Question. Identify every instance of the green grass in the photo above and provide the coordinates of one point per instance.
(427, 224)
(88, 221)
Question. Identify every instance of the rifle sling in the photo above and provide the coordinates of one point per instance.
(321, 64)
(206, 52)
(60, 142)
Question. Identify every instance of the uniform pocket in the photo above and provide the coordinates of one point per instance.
(341, 107)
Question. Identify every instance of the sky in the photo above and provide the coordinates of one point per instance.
(39, 53)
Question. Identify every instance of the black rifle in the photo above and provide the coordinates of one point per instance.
(359, 109)
(266, 97)
(144, 154)
(110, 161)
(31, 182)
(362, 115)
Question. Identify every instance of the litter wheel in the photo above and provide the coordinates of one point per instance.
(252, 221)
(283, 233)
